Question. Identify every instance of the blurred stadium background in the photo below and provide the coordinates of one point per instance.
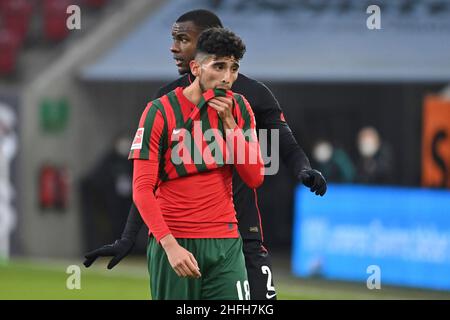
(370, 107)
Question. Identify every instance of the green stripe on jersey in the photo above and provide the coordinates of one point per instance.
(244, 113)
(148, 125)
(179, 123)
(213, 144)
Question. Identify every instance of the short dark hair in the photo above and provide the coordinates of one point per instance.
(220, 42)
(202, 18)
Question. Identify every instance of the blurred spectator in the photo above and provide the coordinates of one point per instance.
(8, 148)
(106, 194)
(333, 162)
(375, 162)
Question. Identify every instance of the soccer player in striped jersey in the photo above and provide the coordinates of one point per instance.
(195, 250)
(268, 115)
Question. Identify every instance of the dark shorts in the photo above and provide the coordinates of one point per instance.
(259, 271)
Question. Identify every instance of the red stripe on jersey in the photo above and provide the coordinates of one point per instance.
(250, 111)
(190, 167)
(144, 115)
(171, 120)
(208, 95)
(214, 122)
(137, 152)
(171, 124)
(237, 110)
(202, 145)
(194, 115)
(170, 169)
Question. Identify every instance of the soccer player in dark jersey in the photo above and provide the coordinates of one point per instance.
(268, 115)
(191, 216)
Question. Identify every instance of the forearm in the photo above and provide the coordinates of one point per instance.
(133, 225)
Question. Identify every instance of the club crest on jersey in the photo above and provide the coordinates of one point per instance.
(137, 141)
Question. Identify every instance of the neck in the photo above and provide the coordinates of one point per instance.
(193, 92)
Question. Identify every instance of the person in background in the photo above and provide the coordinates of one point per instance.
(8, 149)
(375, 161)
(333, 162)
(107, 193)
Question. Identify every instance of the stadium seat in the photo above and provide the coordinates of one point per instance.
(9, 49)
(2, 4)
(55, 17)
(95, 3)
(16, 15)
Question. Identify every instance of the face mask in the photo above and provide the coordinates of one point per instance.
(368, 147)
(323, 152)
(123, 146)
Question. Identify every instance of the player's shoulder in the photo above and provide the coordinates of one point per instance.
(182, 81)
(256, 92)
(246, 83)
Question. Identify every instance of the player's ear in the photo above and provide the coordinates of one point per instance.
(195, 67)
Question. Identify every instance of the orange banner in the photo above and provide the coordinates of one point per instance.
(436, 142)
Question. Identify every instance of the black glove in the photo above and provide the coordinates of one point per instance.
(314, 180)
(122, 247)
(119, 249)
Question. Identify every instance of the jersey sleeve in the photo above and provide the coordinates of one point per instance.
(269, 115)
(145, 179)
(247, 160)
(147, 139)
(245, 117)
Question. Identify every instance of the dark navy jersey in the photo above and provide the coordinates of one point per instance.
(268, 115)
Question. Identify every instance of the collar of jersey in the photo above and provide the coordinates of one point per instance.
(206, 96)
(212, 93)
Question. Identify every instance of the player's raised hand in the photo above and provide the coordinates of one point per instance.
(224, 108)
(314, 180)
(182, 261)
(118, 250)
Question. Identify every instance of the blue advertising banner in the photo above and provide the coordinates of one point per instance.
(403, 231)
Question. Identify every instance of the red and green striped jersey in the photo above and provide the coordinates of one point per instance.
(191, 138)
(191, 199)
